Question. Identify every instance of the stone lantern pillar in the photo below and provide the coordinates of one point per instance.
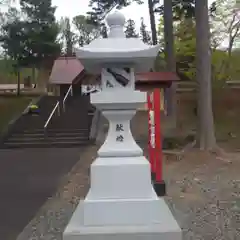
(121, 202)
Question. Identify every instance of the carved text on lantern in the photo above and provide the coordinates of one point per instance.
(120, 138)
(119, 128)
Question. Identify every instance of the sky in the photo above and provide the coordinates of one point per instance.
(71, 8)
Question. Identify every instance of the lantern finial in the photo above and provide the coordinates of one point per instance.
(116, 22)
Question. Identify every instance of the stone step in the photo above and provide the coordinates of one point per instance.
(43, 139)
(71, 128)
(27, 121)
(49, 134)
(63, 128)
(57, 130)
(56, 144)
(69, 125)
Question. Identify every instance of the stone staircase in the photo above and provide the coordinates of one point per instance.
(70, 129)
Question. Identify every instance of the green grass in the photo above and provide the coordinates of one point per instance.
(10, 107)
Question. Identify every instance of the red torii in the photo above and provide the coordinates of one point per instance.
(152, 82)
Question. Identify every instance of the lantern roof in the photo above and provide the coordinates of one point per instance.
(117, 50)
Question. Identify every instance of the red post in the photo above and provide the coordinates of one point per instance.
(150, 148)
(158, 137)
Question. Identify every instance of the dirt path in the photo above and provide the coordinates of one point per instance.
(28, 177)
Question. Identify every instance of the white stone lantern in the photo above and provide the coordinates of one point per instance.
(121, 202)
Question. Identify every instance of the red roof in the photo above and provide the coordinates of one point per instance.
(156, 77)
(65, 70)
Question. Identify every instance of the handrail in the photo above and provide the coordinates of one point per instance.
(70, 90)
(56, 107)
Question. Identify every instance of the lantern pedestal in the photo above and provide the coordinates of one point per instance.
(121, 203)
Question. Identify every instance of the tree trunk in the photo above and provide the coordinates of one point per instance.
(18, 82)
(170, 59)
(33, 75)
(205, 138)
(230, 48)
(69, 50)
(43, 78)
(152, 22)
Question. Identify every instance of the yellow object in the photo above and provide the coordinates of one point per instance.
(33, 107)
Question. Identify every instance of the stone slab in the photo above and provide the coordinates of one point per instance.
(167, 229)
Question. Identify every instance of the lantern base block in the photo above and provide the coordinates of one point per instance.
(160, 188)
(166, 228)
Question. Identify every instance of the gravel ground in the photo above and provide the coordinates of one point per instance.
(203, 194)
